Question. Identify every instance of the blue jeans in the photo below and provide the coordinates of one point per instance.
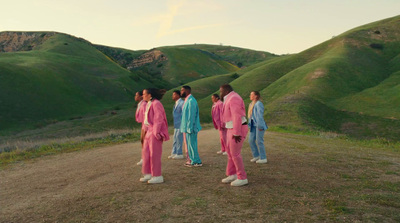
(256, 141)
(178, 141)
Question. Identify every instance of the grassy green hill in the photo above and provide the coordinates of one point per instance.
(49, 77)
(349, 84)
(61, 78)
(240, 57)
(171, 66)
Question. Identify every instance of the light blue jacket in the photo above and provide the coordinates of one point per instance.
(177, 113)
(257, 117)
(190, 116)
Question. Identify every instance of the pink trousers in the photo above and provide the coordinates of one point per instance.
(222, 138)
(151, 153)
(235, 160)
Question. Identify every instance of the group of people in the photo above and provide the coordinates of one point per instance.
(229, 118)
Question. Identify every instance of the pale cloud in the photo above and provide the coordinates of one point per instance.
(181, 8)
(168, 18)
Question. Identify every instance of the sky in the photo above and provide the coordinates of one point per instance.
(276, 26)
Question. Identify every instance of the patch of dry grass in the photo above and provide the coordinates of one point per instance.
(29, 143)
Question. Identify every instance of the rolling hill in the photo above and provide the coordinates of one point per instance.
(172, 66)
(349, 84)
(48, 77)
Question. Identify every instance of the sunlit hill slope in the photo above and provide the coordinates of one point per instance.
(349, 84)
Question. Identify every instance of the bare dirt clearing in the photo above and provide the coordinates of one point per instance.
(306, 179)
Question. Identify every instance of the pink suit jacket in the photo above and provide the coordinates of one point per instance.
(140, 112)
(158, 125)
(216, 114)
(233, 110)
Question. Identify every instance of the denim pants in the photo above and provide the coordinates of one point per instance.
(178, 141)
(256, 141)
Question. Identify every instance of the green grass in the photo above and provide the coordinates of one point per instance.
(188, 64)
(381, 100)
(234, 55)
(62, 78)
(202, 90)
(106, 119)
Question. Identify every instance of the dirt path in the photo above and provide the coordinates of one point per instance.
(102, 184)
(50, 187)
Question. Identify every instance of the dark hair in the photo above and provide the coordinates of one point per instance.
(156, 93)
(216, 96)
(227, 87)
(256, 93)
(187, 88)
(140, 93)
(178, 92)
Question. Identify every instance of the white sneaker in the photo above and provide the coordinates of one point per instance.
(254, 159)
(224, 153)
(262, 161)
(145, 178)
(177, 157)
(171, 156)
(140, 162)
(156, 180)
(219, 152)
(229, 179)
(238, 183)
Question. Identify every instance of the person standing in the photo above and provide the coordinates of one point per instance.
(234, 117)
(156, 128)
(216, 114)
(190, 126)
(257, 127)
(178, 136)
(139, 116)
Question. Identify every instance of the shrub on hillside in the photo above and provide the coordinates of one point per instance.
(134, 77)
(376, 46)
(235, 75)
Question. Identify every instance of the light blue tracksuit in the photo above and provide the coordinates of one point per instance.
(190, 125)
(178, 136)
(257, 128)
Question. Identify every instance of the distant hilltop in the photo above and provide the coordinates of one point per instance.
(22, 41)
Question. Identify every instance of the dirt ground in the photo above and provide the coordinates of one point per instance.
(306, 179)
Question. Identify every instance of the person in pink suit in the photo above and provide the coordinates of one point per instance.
(156, 131)
(216, 114)
(139, 116)
(234, 118)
